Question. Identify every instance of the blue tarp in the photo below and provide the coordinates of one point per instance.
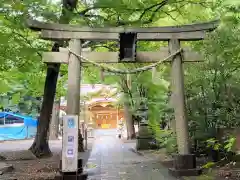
(24, 131)
(28, 121)
(17, 133)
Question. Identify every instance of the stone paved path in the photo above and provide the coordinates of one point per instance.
(115, 161)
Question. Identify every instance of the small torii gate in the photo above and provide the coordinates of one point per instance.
(185, 163)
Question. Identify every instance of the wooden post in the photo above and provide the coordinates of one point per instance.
(54, 125)
(154, 73)
(86, 137)
(85, 124)
(102, 74)
(118, 115)
(129, 81)
(179, 99)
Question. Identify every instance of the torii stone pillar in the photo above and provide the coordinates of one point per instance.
(74, 81)
(184, 162)
(73, 109)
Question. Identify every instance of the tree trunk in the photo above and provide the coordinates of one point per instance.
(54, 125)
(129, 121)
(127, 106)
(40, 147)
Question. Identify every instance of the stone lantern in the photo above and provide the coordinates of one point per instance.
(144, 135)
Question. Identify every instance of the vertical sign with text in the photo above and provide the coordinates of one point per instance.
(70, 143)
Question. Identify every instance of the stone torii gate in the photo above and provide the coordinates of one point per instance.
(185, 163)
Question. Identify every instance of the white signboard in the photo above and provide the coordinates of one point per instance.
(70, 144)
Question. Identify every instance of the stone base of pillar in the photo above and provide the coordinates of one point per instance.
(71, 176)
(185, 165)
(144, 138)
(79, 175)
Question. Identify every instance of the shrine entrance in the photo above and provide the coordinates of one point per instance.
(104, 115)
(126, 38)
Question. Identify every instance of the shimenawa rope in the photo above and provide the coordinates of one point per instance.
(120, 71)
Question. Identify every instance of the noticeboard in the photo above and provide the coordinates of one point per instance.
(70, 143)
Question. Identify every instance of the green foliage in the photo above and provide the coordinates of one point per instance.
(214, 144)
(212, 87)
(22, 72)
(230, 144)
(227, 148)
(208, 165)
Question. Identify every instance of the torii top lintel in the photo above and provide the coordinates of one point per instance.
(207, 26)
(53, 31)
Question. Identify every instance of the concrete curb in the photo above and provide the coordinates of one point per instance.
(4, 168)
(14, 140)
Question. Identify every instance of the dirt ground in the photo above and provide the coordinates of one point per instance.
(27, 167)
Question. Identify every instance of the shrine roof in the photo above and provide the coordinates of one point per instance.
(101, 100)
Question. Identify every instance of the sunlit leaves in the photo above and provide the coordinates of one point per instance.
(21, 69)
(213, 86)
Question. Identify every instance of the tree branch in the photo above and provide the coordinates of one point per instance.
(144, 11)
(158, 6)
